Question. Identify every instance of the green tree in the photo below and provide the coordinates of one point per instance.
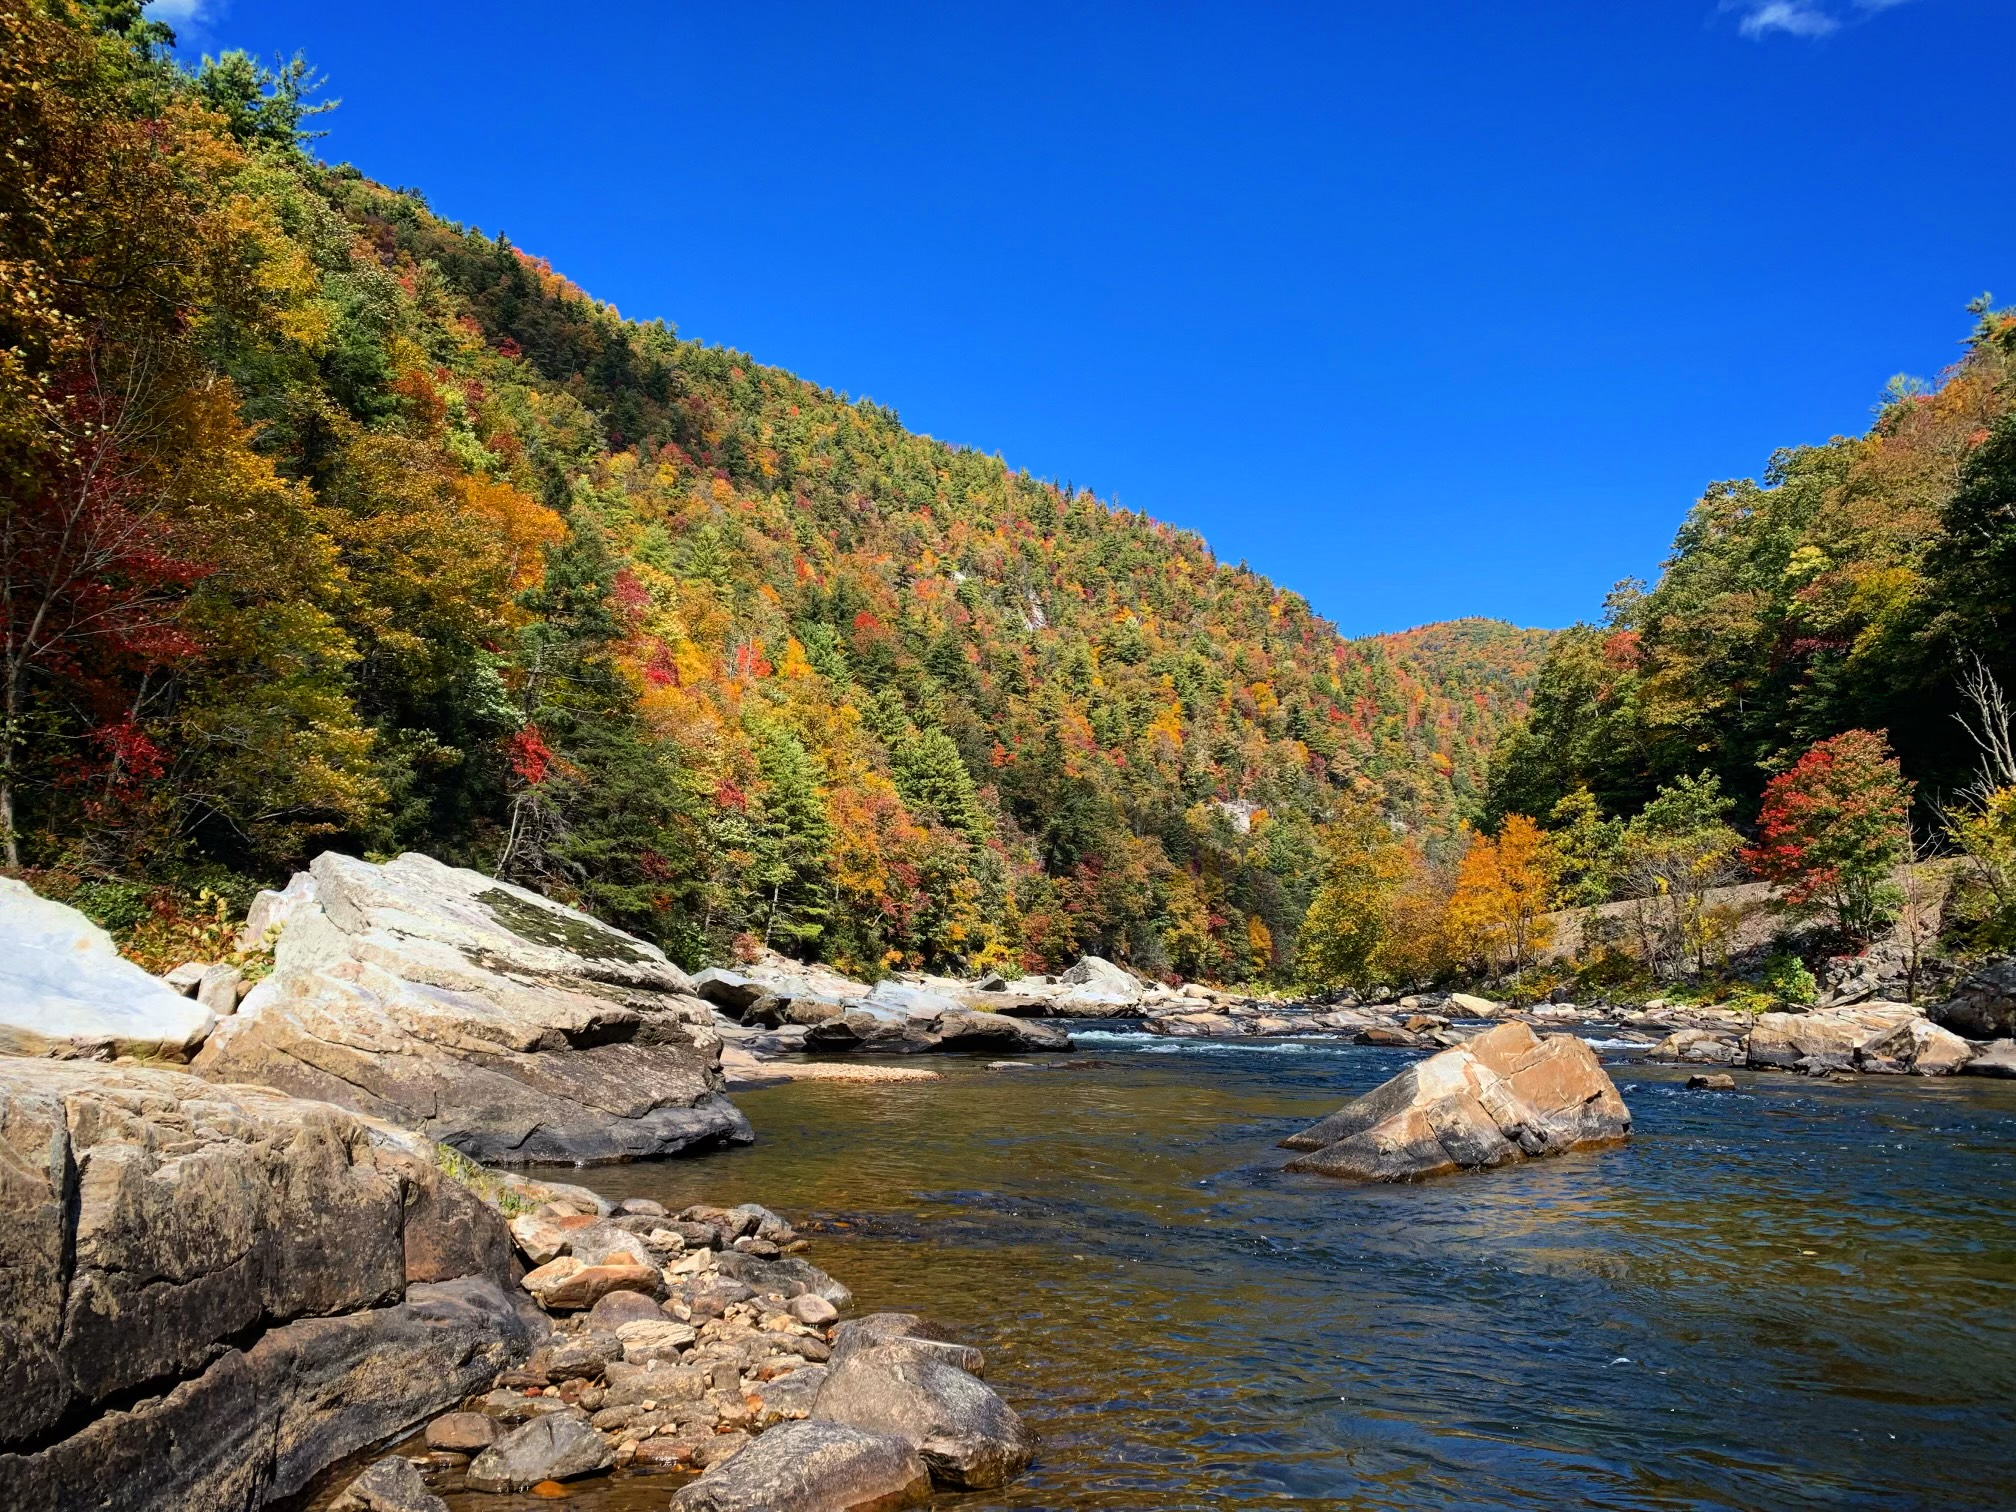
(1676, 851)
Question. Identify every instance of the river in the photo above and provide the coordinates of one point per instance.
(1798, 1295)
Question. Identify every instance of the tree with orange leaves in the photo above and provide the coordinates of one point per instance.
(1504, 884)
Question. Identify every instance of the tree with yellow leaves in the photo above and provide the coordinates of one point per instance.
(1504, 884)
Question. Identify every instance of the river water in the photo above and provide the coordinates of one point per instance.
(1799, 1295)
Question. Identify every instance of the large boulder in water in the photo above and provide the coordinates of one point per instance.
(65, 990)
(210, 1294)
(812, 1467)
(1893, 1037)
(971, 1439)
(481, 1014)
(1983, 1006)
(1504, 1095)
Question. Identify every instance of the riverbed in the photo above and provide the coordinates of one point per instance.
(1798, 1295)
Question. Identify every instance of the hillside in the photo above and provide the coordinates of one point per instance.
(341, 525)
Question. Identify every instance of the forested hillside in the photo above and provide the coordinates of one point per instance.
(330, 523)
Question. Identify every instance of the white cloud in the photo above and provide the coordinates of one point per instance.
(1758, 19)
(179, 12)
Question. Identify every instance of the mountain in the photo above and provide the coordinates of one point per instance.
(342, 525)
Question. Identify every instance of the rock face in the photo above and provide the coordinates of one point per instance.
(1501, 1096)
(1983, 1006)
(65, 990)
(482, 1015)
(208, 1294)
(1880, 1037)
(813, 1467)
(971, 1439)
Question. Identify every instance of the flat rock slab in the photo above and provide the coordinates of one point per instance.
(65, 989)
(1871, 1037)
(1502, 1096)
(813, 1466)
(482, 1015)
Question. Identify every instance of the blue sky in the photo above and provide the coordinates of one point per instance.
(1424, 310)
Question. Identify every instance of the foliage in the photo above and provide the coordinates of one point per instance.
(1833, 829)
(396, 539)
(1847, 590)
(1504, 884)
(1679, 848)
(1785, 978)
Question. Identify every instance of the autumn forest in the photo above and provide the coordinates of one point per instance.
(330, 523)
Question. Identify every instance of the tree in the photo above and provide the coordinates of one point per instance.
(1833, 830)
(1504, 883)
(932, 777)
(1345, 927)
(1588, 849)
(1677, 850)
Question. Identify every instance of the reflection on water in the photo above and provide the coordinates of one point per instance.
(1802, 1295)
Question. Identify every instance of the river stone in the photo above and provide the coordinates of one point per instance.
(1701, 1047)
(270, 911)
(1997, 1059)
(481, 1014)
(64, 986)
(1503, 1095)
(1983, 1006)
(621, 1307)
(1917, 1047)
(1826, 1039)
(971, 1439)
(659, 1339)
(391, 1485)
(462, 1432)
(566, 1285)
(1716, 1081)
(558, 1447)
(812, 1466)
(788, 1277)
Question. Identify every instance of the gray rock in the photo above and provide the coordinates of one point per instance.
(185, 978)
(217, 989)
(1983, 1006)
(788, 1277)
(971, 1439)
(729, 991)
(909, 1331)
(482, 1015)
(812, 1467)
(391, 1485)
(560, 1446)
(1997, 1059)
(63, 980)
(791, 1395)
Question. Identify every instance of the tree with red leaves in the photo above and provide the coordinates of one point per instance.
(91, 593)
(1834, 828)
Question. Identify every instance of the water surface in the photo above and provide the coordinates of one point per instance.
(1802, 1295)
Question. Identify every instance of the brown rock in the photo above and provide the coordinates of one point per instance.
(1500, 1096)
(461, 1432)
(1718, 1081)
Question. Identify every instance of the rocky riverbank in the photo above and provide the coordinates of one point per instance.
(699, 1346)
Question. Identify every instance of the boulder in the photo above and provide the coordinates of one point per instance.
(812, 1466)
(1877, 1037)
(1466, 1005)
(730, 991)
(1917, 1047)
(482, 1015)
(971, 1439)
(271, 910)
(1983, 1006)
(217, 988)
(462, 1432)
(621, 1307)
(66, 990)
(787, 1276)
(996, 1033)
(558, 1446)
(391, 1485)
(1995, 1059)
(172, 1251)
(567, 1285)
(1096, 988)
(1499, 1097)
(1713, 1081)
(1699, 1047)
